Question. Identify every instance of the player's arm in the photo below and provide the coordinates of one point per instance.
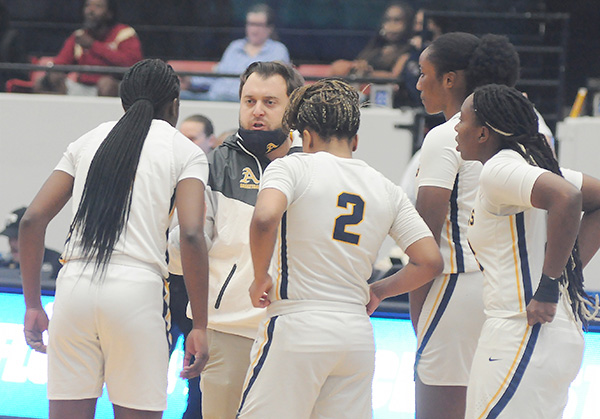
(432, 205)
(189, 197)
(51, 198)
(270, 206)
(425, 263)
(563, 202)
(589, 230)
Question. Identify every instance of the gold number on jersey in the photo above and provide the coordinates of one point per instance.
(355, 217)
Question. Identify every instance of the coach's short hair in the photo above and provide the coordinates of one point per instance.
(266, 69)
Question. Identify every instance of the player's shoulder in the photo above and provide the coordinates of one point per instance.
(503, 159)
(443, 133)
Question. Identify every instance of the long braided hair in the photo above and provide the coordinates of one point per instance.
(511, 115)
(105, 204)
(330, 107)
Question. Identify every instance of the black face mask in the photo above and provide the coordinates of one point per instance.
(260, 143)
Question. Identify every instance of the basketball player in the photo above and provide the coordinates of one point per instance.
(329, 215)
(448, 313)
(524, 229)
(108, 325)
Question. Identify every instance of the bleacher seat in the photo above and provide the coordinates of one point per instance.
(191, 65)
(314, 70)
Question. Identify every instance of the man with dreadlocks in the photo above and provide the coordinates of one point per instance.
(526, 233)
(108, 323)
(102, 41)
(329, 214)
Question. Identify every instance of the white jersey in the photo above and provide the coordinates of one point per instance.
(441, 166)
(167, 157)
(339, 212)
(508, 234)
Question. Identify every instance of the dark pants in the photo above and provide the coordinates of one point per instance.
(182, 325)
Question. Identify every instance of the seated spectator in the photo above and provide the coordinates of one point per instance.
(411, 70)
(386, 55)
(432, 31)
(102, 42)
(51, 262)
(199, 129)
(258, 45)
(11, 48)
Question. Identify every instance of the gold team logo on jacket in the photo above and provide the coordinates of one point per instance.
(249, 179)
(271, 147)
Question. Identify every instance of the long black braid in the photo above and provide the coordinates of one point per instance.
(105, 204)
(511, 115)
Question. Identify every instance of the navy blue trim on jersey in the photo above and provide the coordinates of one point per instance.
(284, 261)
(166, 313)
(261, 360)
(523, 256)
(460, 258)
(436, 319)
(518, 375)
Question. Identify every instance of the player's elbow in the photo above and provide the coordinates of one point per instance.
(33, 221)
(192, 235)
(263, 222)
(428, 257)
(574, 201)
(433, 263)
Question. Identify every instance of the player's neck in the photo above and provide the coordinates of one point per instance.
(337, 147)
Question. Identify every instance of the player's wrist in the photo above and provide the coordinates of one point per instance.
(548, 290)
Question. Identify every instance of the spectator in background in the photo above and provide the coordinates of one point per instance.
(199, 129)
(258, 45)
(224, 135)
(432, 31)
(101, 42)
(411, 70)
(51, 262)
(11, 48)
(386, 55)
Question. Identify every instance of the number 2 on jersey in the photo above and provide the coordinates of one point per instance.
(354, 218)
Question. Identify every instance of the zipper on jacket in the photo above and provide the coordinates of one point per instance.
(220, 296)
(240, 145)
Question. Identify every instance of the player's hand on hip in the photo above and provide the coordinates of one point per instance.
(540, 312)
(196, 346)
(259, 290)
(373, 303)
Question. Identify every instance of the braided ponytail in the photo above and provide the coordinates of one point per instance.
(105, 203)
